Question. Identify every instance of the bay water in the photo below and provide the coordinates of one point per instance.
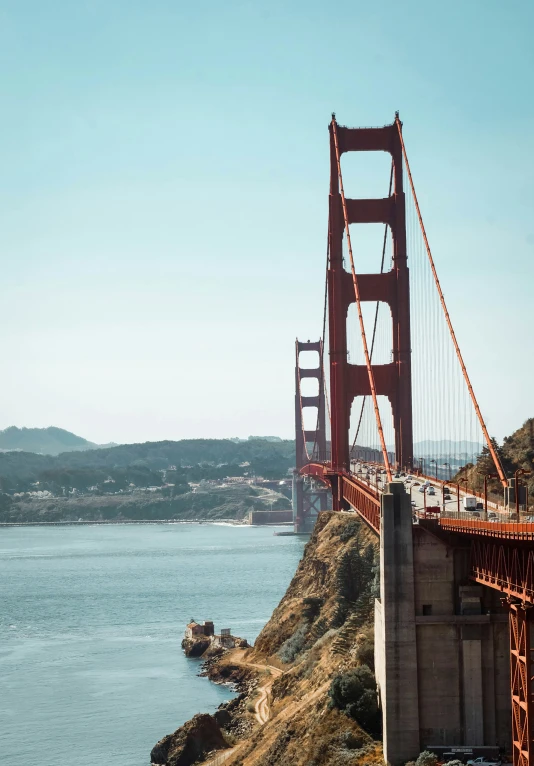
(91, 620)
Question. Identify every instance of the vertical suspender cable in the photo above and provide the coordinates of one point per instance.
(491, 448)
(359, 308)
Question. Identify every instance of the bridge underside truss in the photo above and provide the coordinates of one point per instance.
(504, 566)
(521, 661)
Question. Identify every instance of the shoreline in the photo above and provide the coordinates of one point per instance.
(116, 522)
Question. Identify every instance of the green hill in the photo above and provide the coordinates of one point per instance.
(516, 451)
(188, 460)
(155, 480)
(44, 441)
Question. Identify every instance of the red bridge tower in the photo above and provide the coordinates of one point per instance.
(348, 380)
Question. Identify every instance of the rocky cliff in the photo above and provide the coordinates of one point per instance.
(308, 691)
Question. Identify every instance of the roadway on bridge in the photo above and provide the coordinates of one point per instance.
(375, 478)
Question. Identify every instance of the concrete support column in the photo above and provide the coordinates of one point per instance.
(472, 691)
(395, 632)
(297, 502)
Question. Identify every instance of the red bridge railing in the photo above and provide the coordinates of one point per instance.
(363, 499)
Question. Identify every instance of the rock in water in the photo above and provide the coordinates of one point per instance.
(195, 739)
(195, 647)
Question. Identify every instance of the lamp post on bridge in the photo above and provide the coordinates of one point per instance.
(486, 477)
(411, 488)
(519, 472)
(458, 491)
(436, 464)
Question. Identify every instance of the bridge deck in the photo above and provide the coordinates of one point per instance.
(365, 499)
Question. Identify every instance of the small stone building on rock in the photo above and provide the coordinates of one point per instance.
(199, 638)
(195, 630)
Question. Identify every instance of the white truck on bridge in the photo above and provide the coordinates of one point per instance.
(470, 503)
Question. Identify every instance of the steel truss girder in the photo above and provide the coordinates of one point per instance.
(521, 658)
(505, 566)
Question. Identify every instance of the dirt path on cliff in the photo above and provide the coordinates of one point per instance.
(261, 706)
(263, 712)
(271, 730)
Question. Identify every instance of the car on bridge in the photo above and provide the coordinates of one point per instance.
(484, 761)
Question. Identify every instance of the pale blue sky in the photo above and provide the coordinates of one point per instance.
(163, 198)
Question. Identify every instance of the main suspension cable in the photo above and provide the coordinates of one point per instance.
(325, 309)
(494, 455)
(321, 355)
(359, 308)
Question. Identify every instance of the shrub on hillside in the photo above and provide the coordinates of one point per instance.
(312, 607)
(365, 652)
(426, 758)
(350, 529)
(294, 644)
(354, 693)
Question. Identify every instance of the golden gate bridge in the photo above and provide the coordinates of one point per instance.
(389, 375)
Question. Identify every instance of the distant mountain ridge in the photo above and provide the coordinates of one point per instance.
(447, 447)
(44, 441)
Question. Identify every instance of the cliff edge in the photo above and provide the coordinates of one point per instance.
(308, 691)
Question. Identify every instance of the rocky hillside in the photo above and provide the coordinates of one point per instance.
(311, 700)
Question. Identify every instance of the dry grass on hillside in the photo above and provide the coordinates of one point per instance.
(321, 629)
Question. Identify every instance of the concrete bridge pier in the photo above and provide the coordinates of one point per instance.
(442, 649)
(395, 635)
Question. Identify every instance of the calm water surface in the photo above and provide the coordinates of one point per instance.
(91, 619)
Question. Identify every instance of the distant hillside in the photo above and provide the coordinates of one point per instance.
(516, 451)
(185, 461)
(155, 480)
(44, 441)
